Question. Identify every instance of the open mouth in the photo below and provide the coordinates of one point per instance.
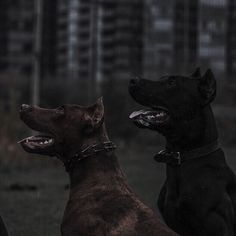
(38, 143)
(150, 118)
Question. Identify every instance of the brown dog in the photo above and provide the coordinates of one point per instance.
(100, 202)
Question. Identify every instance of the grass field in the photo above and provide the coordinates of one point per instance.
(39, 211)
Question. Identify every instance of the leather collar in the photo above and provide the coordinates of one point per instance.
(89, 151)
(177, 158)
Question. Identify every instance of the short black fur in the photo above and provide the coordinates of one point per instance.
(199, 196)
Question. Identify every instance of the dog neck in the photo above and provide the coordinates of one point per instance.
(76, 145)
(199, 132)
(96, 168)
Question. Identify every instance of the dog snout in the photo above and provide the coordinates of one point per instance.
(25, 107)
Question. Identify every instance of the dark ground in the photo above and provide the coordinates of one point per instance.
(39, 212)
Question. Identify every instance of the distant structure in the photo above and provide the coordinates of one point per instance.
(3, 34)
(67, 37)
(88, 41)
(158, 31)
(49, 38)
(121, 36)
(212, 35)
(231, 39)
(185, 35)
(17, 32)
(99, 40)
(92, 41)
(171, 37)
(16, 36)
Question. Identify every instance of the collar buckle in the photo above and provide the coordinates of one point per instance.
(173, 158)
(177, 158)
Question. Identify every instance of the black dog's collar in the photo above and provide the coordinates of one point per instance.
(89, 151)
(177, 158)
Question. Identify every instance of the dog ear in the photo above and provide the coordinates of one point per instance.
(197, 73)
(95, 116)
(98, 115)
(207, 87)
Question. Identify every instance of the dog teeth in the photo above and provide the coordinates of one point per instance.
(161, 114)
(46, 141)
(144, 123)
(151, 117)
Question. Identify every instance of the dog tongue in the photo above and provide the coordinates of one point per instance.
(135, 114)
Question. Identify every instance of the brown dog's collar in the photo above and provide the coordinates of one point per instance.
(177, 158)
(87, 152)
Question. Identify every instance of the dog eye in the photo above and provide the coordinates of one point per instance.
(171, 83)
(60, 110)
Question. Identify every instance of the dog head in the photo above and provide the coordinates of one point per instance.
(174, 102)
(62, 129)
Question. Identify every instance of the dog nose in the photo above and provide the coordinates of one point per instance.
(25, 107)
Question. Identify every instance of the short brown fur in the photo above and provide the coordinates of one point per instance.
(100, 201)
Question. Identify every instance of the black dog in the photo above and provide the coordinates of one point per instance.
(100, 202)
(199, 195)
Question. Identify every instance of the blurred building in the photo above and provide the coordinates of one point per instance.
(96, 40)
(186, 18)
(126, 32)
(17, 35)
(231, 39)
(158, 32)
(183, 34)
(100, 39)
(171, 36)
(3, 34)
(212, 40)
(67, 37)
(49, 37)
(89, 40)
